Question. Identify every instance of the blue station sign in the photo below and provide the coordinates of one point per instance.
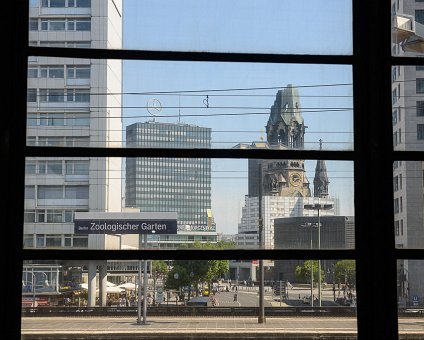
(125, 223)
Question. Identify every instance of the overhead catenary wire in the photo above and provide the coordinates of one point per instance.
(217, 90)
(185, 114)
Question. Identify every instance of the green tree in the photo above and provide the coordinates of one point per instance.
(303, 273)
(345, 271)
(194, 272)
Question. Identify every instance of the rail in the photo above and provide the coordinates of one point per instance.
(189, 311)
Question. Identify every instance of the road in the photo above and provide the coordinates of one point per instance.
(249, 297)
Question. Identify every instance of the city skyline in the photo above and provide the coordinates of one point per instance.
(227, 205)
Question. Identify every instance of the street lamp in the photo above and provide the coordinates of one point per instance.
(311, 225)
(318, 207)
(333, 272)
(176, 277)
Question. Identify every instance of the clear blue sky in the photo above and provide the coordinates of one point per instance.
(278, 26)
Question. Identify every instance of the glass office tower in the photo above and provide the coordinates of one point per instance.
(172, 184)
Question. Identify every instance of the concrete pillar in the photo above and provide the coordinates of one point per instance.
(91, 283)
(253, 272)
(103, 283)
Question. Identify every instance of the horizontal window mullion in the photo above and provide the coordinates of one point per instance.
(187, 56)
(412, 254)
(408, 155)
(406, 61)
(187, 153)
(230, 254)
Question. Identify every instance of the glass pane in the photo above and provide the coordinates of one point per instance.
(215, 202)
(250, 26)
(408, 184)
(407, 27)
(176, 289)
(191, 105)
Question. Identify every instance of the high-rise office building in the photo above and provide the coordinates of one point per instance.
(72, 102)
(408, 134)
(181, 185)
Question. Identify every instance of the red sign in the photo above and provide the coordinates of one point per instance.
(39, 301)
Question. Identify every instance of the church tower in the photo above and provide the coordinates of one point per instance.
(285, 124)
(285, 130)
(321, 180)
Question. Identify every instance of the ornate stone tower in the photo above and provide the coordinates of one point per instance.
(285, 124)
(285, 130)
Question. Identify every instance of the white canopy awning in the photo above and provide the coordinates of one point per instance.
(109, 289)
(127, 286)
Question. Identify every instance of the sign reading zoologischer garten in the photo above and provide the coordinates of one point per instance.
(125, 223)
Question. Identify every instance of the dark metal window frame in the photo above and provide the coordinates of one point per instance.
(373, 154)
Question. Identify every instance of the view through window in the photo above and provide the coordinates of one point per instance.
(220, 168)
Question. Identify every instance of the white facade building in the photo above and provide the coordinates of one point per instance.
(73, 102)
(408, 134)
(274, 207)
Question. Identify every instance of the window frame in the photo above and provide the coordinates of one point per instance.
(371, 61)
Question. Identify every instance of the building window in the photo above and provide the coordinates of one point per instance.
(78, 95)
(419, 16)
(32, 95)
(377, 56)
(50, 192)
(79, 25)
(78, 72)
(76, 192)
(79, 3)
(420, 108)
(53, 3)
(420, 131)
(420, 85)
(53, 240)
